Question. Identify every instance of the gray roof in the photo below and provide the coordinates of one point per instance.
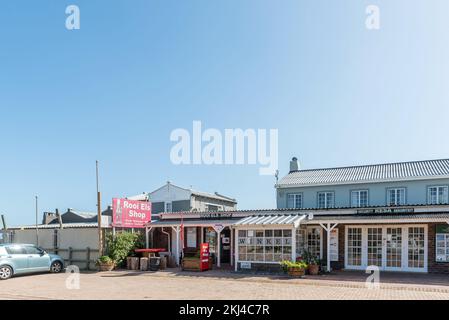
(394, 218)
(216, 195)
(415, 170)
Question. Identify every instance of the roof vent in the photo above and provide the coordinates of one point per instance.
(294, 165)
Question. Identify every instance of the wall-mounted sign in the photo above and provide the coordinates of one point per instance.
(130, 213)
(215, 215)
(333, 243)
(385, 210)
(218, 228)
(245, 265)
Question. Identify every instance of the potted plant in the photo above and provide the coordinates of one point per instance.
(313, 263)
(294, 269)
(105, 263)
(314, 266)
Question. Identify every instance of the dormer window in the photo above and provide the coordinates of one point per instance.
(438, 195)
(325, 200)
(396, 196)
(294, 200)
(359, 198)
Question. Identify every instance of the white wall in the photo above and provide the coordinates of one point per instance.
(76, 238)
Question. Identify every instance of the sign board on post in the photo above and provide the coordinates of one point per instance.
(130, 213)
(218, 228)
(333, 243)
(204, 256)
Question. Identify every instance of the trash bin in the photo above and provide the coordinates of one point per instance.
(164, 262)
(155, 263)
(134, 263)
(143, 264)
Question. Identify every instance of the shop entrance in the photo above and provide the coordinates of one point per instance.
(225, 253)
(391, 248)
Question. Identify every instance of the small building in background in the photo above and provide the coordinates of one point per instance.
(172, 198)
(74, 238)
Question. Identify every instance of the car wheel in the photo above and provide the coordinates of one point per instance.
(5, 272)
(56, 267)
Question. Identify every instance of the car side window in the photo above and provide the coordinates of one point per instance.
(32, 250)
(15, 250)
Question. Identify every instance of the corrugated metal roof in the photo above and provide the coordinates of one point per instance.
(369, 173)
(56, 226)
(271, 220)
(191, 222)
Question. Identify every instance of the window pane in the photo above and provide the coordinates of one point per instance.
(354, 199)
(15, 250)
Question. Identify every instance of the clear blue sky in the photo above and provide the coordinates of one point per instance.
(338, 93)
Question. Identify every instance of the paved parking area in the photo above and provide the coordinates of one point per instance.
(173, 284)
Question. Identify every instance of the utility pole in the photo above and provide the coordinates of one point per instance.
(37, 229)
(100, 234)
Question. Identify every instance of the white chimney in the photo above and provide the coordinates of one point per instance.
(294, 165)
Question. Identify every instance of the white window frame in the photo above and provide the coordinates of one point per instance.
(358, 205)
(326, 199)
(256, 228)
(295, 196)
(396, 190)
(166, 204)
(404, 248)
(438, 200)
(445, 247)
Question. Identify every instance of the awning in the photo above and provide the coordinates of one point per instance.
(191, 223)
(277, 220)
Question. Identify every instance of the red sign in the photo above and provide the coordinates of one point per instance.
(130, 213)
(204, 256)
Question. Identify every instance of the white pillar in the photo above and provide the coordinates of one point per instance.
(294, 244)
(219, 249)
(147, 240)
(328, 247)
(231, 243)
(236, 247)
(328, 229)
(177, 229)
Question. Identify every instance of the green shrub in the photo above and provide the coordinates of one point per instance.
(291, 264)
(122, 246)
